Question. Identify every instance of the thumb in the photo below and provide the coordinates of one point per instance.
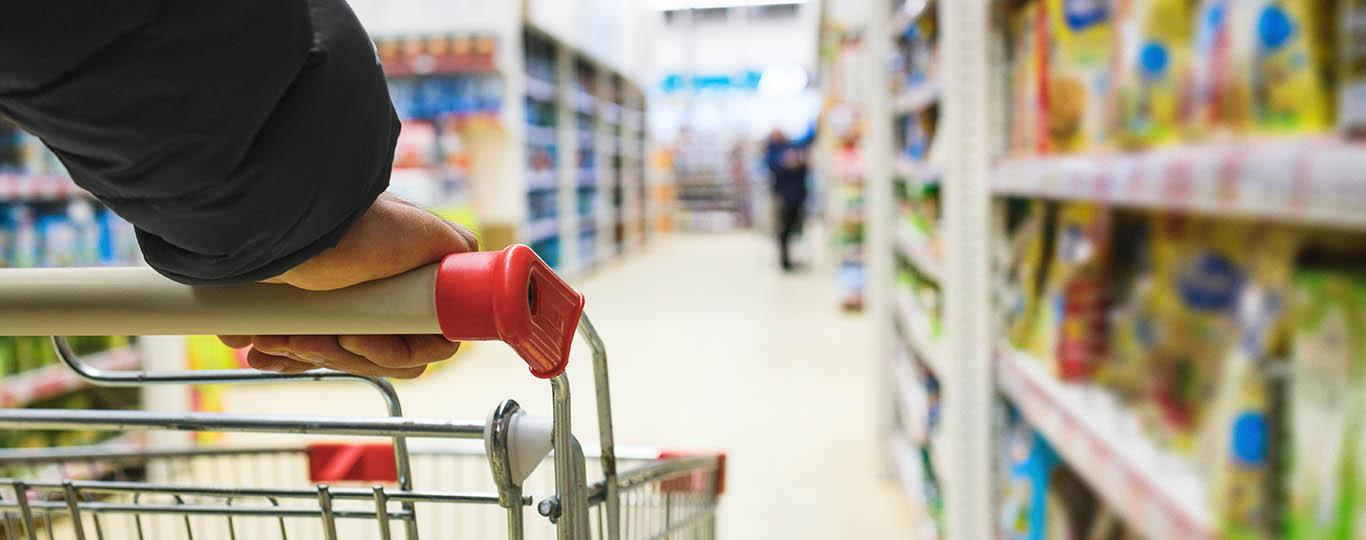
(392, 237)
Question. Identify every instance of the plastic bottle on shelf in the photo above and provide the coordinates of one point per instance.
(26, 249)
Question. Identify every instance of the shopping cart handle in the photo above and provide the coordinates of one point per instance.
(512, 296)
(508, 295)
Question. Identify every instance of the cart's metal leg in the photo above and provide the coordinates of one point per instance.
(189, 529)
(609, 456)
(570, 484)
(325, 506)
(284, 534)
(381, 511)
(69, 493)
(232, 530)
(516, 529)
(25, 513)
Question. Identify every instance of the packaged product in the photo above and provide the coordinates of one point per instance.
(1291, 57)
(1201, 269)
(1125, 371)
(1028, 32)
(1154, 77)
(1027, 462)
(1073, 315)
(1238, 438)
(1078, 74)
(1351, 67)
(1212, 103)
(1328, 345)
(1029, 240)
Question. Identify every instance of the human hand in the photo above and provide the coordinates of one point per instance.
(392, 237)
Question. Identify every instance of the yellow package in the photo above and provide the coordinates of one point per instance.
(1238, 435)
(1078, 77)
(1028, 242)
(1201, 269)
(1291, 53)
(1154, 71)
(1026, 29)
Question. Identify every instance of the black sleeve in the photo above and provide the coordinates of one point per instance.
(240, 137)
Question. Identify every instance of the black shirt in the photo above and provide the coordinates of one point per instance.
(240, 137)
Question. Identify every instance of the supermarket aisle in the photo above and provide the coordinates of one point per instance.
(710, 348)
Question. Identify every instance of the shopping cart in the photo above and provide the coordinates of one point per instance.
(338, 490)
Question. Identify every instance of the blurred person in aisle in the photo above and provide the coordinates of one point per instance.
(788, 163)
(247, 141)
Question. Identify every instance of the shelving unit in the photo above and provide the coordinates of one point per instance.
(1141, 451)
(580, 152)
(56, 379)
(708, 194)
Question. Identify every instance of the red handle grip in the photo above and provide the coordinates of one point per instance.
(511, 296)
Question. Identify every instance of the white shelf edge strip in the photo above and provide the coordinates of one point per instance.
(916, 247)
(911, 476)
(57, 379)
(1314, 181)
(915, 325)
(1161, 495)
(917, 98)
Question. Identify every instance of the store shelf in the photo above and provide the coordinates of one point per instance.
(912, 478)
(916, 171)
(587, 139)
(1314, 181)
(1159, 494)
(588, 177)
(911, 399)
(609, 112)
(915, 325)
(541, 229)
(38, 187)
(583, 102)
(56, 379)
(543, 179)
(539, 89)
(541, 136)
(915, 247)
(916, 98)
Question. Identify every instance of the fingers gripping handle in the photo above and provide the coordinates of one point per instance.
(508, 295)
(512, 296)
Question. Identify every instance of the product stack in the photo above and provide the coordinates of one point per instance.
(542, 147)
(1178, 222)
(916, 271)
(584, 102)
(1180, 244)
(439, 85)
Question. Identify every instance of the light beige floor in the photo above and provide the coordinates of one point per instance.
(710, 348)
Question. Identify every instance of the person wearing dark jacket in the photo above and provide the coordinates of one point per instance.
(787, 162)
(246, 141)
